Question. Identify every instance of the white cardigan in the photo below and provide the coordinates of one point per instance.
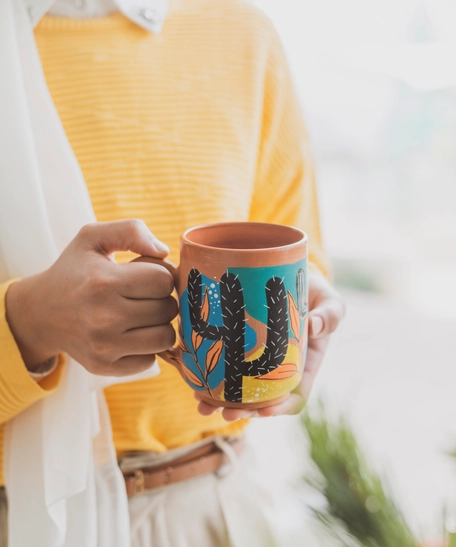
(60, 464)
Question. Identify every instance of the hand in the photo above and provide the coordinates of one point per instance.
(111, 318)
(326, 311)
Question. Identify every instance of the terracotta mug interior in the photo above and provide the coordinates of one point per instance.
(239, 236)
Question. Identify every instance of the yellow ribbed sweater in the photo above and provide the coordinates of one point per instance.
(197, 124)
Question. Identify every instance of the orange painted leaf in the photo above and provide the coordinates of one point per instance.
(282, 372)
(205, 307)
(295, 320)
(192, 377)
(197, 340)
(213, 356)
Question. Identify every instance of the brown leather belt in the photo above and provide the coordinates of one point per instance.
(206, 459)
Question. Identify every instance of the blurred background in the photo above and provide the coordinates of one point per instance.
(377, 83)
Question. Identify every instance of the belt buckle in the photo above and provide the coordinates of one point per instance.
(139, 482)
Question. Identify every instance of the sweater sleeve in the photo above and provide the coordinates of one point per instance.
(17, 388)
(285, 190)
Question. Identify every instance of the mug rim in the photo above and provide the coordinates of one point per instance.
(303, 240)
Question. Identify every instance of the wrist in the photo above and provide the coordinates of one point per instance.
(26, 319)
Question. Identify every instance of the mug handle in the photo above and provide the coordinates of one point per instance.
(173, 355)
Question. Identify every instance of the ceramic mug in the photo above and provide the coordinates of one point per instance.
(243, 294)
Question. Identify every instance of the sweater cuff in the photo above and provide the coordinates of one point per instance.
(18, 390)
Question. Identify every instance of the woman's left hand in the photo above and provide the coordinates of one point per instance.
(326, 311)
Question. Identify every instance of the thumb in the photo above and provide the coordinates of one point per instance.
(122, 235)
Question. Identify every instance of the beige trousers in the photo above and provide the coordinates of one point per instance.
(225, 509)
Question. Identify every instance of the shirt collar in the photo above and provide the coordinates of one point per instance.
(148, 14)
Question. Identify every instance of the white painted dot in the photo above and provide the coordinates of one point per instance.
(257, 394)
(212, 285)
(215, 295)
(210, 292)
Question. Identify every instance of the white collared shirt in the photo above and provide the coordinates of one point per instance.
(148, 14)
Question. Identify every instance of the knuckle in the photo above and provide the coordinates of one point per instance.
(132, 365)
(87, 231)
(166, 310)
(168, 283)
(103, 321)
(331, 320)
(99, 345)
(164, 338)
(169, 336)
(173, 308)
(136, 226)
(98, 284)
(163, 280)
(92, 320)
(98, 367)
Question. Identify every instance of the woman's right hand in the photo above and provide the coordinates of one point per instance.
(111, 318)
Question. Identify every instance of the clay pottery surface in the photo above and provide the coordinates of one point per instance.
(243, 297)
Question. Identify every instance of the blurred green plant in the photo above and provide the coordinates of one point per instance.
(359, 507)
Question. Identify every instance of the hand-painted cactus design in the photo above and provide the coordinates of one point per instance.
(232, 332)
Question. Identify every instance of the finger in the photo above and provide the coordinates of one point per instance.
(144, 280)
(235, 414)
(325, 318)
(229, 414)
(297, 400)
(170, 266)
(205, 409)
(148, 313)
(147, 340)
(122, 235)
(293, 404)
(315, 355)
(131, 364)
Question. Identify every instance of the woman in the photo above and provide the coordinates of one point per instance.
(177, 115)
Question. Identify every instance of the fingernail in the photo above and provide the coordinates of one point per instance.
(317, 325)
(160, 246)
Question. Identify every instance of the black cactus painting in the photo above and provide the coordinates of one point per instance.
(232, 332)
